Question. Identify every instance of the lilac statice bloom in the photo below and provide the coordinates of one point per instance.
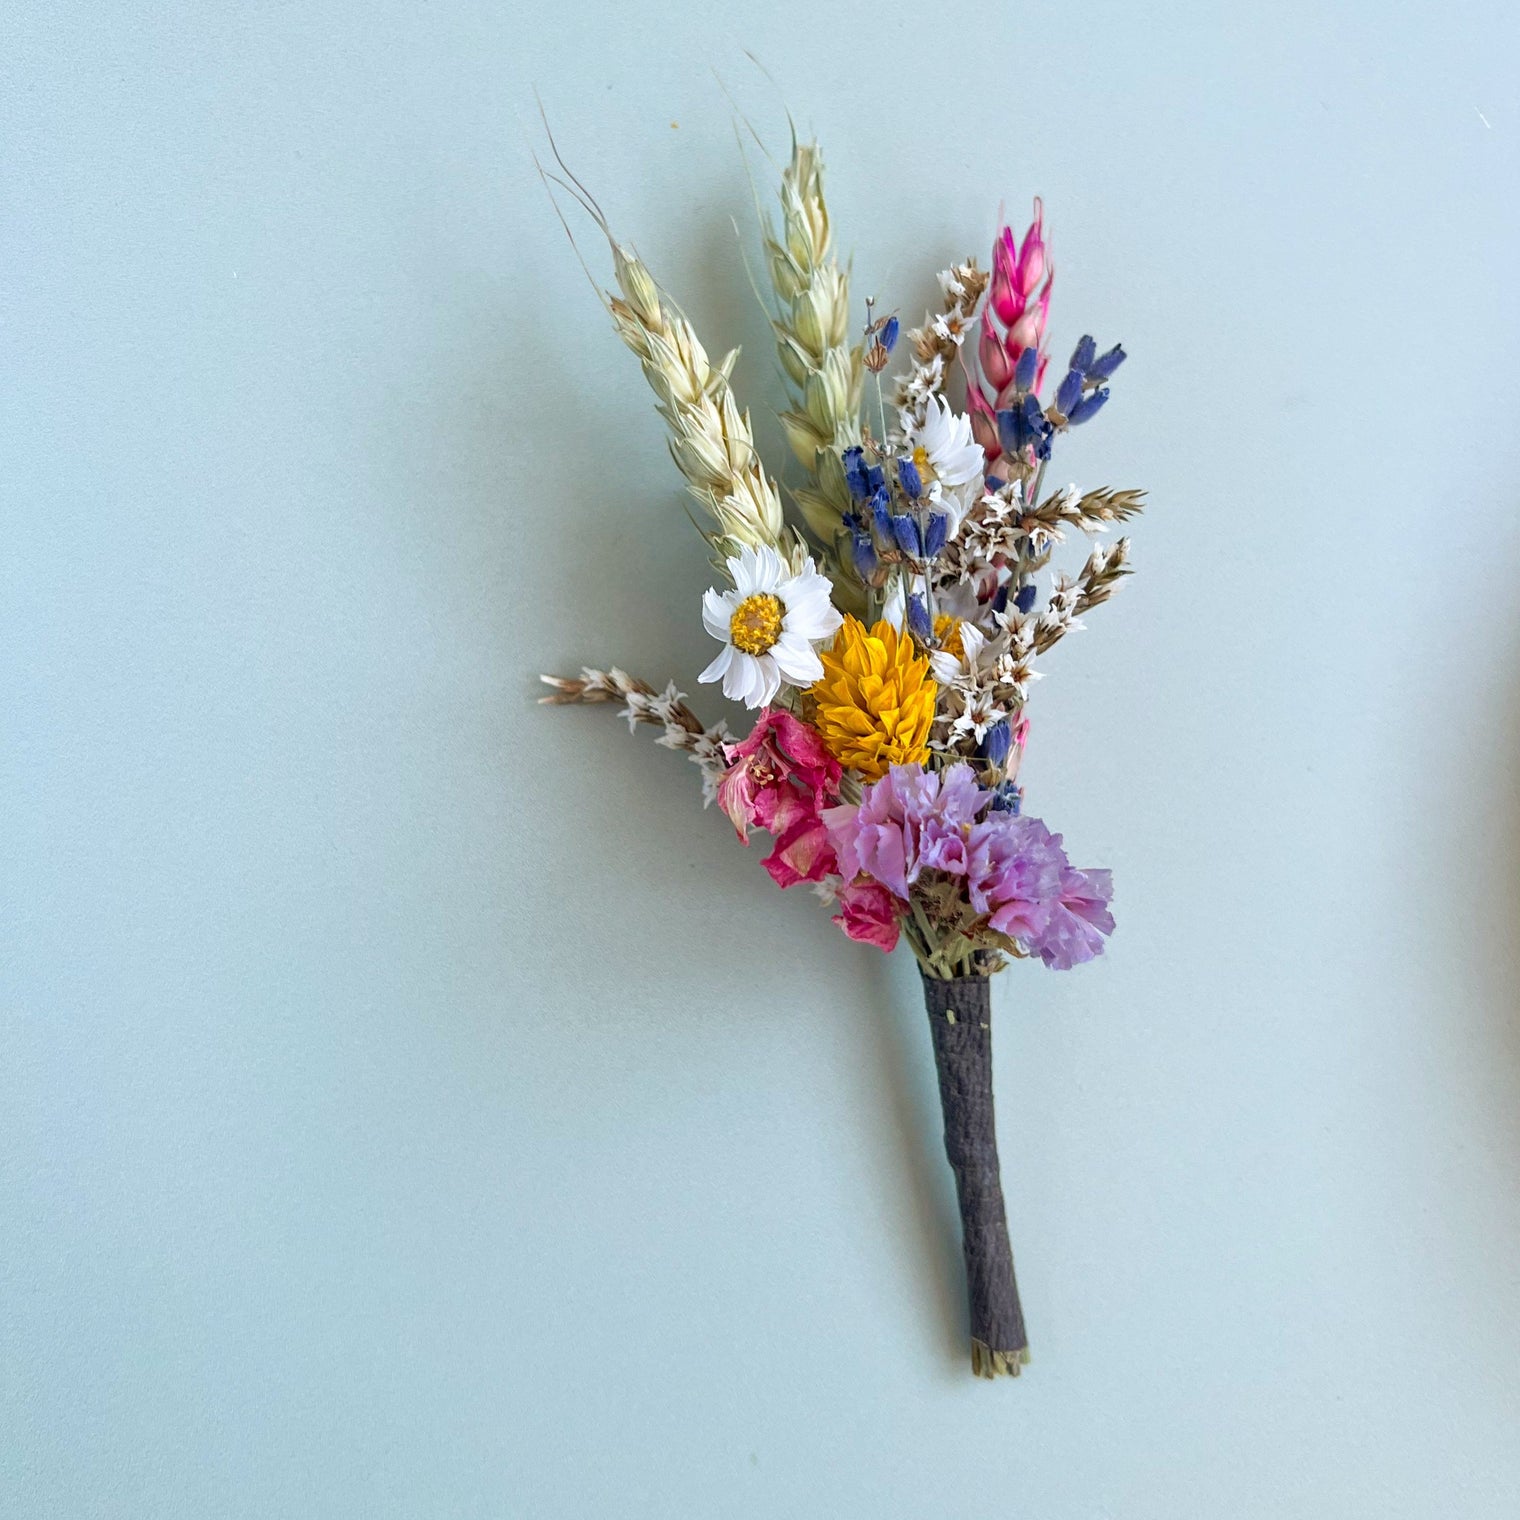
(1015, 871)
(1020, 877)
(1078, 920)
(1016, 865)
(910, 821)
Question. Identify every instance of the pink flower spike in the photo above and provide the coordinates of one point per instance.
(1005, 252)
(1002, 298)
(1031, 266)
(1025, 333)
(996, 365)
(983, 422)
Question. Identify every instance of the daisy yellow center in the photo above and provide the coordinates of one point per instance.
(920, 459)
(756, 623)
(947, 630)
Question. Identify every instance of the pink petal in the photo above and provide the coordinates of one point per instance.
(996, 365)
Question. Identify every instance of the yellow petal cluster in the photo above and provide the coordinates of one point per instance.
(875, 703)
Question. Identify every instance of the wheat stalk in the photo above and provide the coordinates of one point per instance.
(812, 328)
(710, 438)
(1087, 512)
(666, 710)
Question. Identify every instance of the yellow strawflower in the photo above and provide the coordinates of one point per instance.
(875, 702)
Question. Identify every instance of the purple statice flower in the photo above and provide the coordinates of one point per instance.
(910, 821)
(1019, 876)
(1015, 871)
(1014, 875)
(1078, 920)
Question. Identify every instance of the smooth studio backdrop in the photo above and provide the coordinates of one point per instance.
(412, 1103)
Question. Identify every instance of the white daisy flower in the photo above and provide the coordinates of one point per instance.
(767, 624)
(946, 439)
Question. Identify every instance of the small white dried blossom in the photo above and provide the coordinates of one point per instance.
(986, 681)
(952, 326)
(925, 380)
(665, 710)
(952, 287)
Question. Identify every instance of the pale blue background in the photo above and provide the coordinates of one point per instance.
(412, 1104)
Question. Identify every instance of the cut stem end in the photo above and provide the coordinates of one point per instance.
(987, 1363)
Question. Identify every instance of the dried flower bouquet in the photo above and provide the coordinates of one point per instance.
(888, 637)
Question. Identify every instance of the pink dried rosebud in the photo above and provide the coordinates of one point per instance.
(779, 779)
(869, 913)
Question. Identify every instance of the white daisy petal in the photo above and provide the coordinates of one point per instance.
(736, 677)
(809, 611)
(808, 624)
(760, 668)
(797, 660)
(770, 681)
(719, 667)
(717, 612)
(801, 590)
(742, 568)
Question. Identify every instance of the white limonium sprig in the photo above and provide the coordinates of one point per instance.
(666, 710)
(937, 344)
(1095, 583)
(767, 625)
(986, 681)
(988, 678)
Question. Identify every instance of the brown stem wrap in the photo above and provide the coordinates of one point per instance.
(960, 1020)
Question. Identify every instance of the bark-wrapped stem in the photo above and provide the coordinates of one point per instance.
(960, 1021)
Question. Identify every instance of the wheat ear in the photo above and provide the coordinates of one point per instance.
(812, 328)
(710, 438)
